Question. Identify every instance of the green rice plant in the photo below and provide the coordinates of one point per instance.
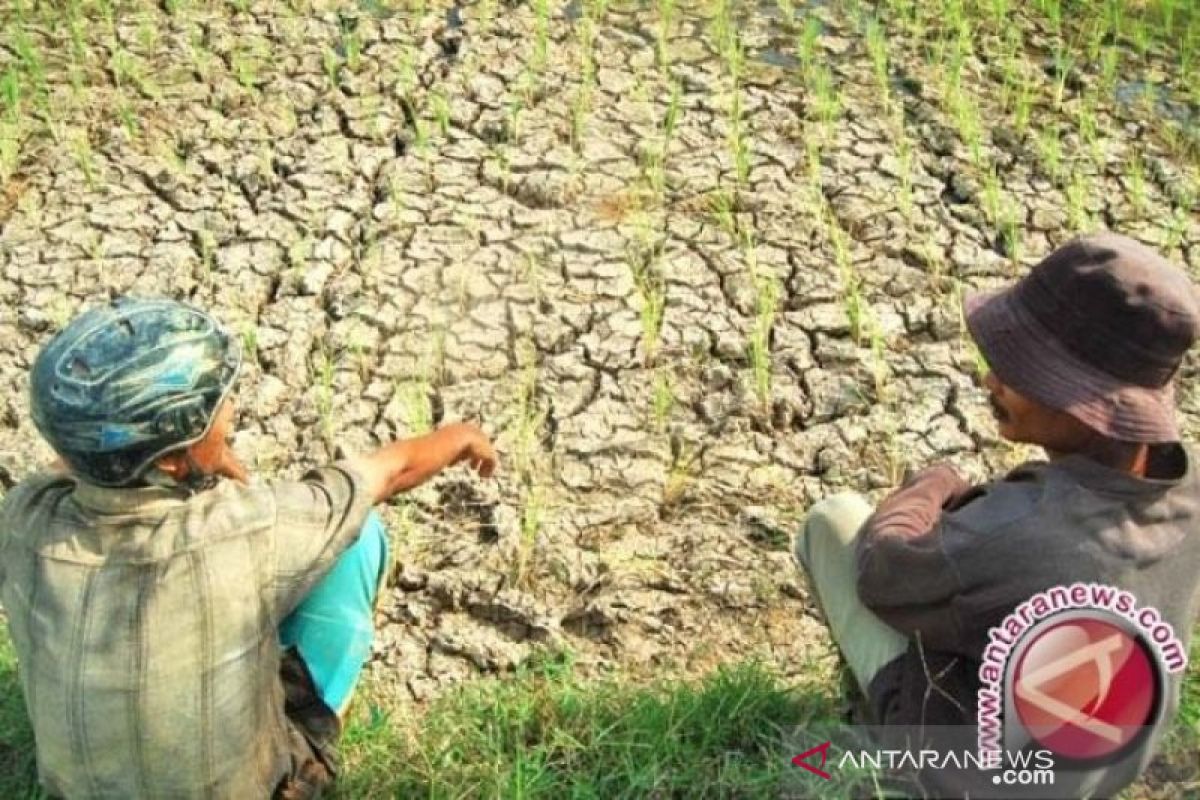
(826, 101)
(671, 117)
(662, 398)
(666, 16)
(322, 378)
(541, 36)
(721, 205)
(331, 65)
(81, 149)
(512, 117)
(1078, 193)
(250, 341)
(990, 193)
(970, 128)
(766, 305)
(1110, 65)
(878, 51)
(1023, 105)
(681, 473)
(1063, 64)
(653, 292)
(806, 44)
(533, 511)
(1049, 149)
(10, 149)
(350, 43)
(581, 105)
(416, 408)
(853, 302)
(653, 171)
(440, 106)
(1175, 228)
(1009, 225)
(10, 94)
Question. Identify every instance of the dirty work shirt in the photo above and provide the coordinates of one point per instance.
(944, 562)
(145, 621)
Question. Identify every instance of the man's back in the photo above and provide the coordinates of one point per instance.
(145, 624)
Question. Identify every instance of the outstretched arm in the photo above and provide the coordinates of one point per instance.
(404, 464)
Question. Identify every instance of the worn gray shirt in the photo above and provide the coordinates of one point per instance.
(144, 622)
(944, 562)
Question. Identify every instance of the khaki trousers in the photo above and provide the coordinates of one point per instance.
(825, 549)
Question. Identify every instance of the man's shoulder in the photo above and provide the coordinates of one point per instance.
(34, 491)
(1006, 500)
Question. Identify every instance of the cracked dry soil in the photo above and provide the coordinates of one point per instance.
(393, 212)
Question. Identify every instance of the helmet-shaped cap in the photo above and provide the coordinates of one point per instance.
(125, 383)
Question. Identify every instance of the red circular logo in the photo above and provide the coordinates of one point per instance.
(1085, 687)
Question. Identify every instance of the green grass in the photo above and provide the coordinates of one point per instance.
(548, 732)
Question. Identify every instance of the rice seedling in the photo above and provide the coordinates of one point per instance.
(440, 106)
(681, 472)
(1078, 193)
(250, 341)
(877, 49)
(662, 398)
(766, 306)
(416, 407)
(1023, 106)
(331, 65)
(666, 16)
(826, 100)
(81, 149)
(671, 117)
(532, 520)
(1049, 149)
(1009, 224)
(721, 205)
(1110, 65)
(653, 291)
(350, 43)
(806, 44)
(1175, 228)
(322, 379)
(990, 193)
(853, 302)
(653, 171)
(541, 36)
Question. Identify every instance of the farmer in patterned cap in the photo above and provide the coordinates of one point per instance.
(1082, 353)
(180, 630)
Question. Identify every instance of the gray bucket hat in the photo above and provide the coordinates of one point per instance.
(1098, 330)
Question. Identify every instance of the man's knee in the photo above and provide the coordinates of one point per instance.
(834, 520)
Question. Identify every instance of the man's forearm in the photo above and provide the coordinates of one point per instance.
(913, 509)
(402, 465)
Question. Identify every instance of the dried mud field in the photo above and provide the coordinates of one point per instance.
(693, 266)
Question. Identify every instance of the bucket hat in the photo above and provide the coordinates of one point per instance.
(1098, 330)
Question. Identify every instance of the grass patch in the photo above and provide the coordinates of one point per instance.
(548, 732)
(18, 770)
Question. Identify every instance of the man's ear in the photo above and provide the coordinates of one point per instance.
(174, 464)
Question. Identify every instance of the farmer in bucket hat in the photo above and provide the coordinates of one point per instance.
(182, 631)
(1082, 352)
